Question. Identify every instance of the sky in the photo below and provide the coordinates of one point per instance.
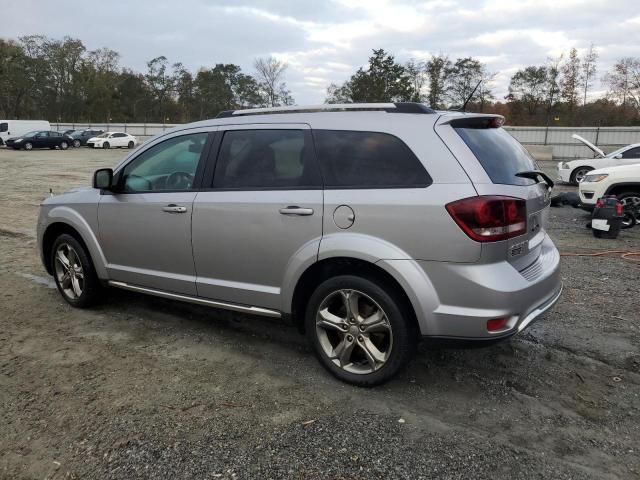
(325, 41)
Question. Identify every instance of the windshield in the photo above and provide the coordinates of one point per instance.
(104, 135)
(29, 135)
(616, 152)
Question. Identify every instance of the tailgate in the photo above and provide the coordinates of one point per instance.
(492, 158)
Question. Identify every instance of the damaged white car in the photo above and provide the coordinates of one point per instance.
(574, 171)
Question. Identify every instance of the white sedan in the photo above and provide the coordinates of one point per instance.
(574, 171)
(112, 139)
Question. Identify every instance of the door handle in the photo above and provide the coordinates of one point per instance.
(294, 210)
(173, 208)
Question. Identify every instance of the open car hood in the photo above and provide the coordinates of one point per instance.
(591, 146)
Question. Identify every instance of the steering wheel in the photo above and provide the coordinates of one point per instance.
(179, 181)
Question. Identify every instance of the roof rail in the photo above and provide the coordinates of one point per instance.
(399, 107)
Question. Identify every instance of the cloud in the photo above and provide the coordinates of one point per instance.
(326, 41)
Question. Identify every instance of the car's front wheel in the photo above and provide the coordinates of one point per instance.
(631, 208)
(28, 146)
(106, 145)
(73, 272)
(578, 174)
(359, 329)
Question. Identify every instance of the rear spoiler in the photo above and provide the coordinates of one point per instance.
(494, 121)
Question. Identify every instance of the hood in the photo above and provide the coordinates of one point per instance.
(591, 146)
(630, 169)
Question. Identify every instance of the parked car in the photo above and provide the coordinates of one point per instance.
(112, 139)
(68, 132)
(40, 139)
(81, 137)
(622, 181)
(369, 225)
(17, 128)
(574, 171)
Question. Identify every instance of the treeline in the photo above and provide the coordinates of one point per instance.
(556, 93)
(60, 80)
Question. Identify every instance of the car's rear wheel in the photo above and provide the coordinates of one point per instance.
(578, 174)
(28, 146)
(130, 145)
(106, 145)
(77, 143)
(359, 329)
(73, 272)
(64, 145)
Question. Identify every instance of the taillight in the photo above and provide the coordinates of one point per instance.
(490, 218)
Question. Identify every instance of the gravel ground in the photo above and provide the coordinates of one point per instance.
(141, 387)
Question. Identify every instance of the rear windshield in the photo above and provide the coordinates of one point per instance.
(499, 153)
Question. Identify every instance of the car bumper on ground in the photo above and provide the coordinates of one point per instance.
(470, 295)
(564, 174)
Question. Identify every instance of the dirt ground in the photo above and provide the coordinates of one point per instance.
(145, 388)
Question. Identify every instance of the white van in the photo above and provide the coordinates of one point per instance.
(16, 128)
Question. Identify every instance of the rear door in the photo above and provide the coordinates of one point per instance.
(492, 157)
(261, 214)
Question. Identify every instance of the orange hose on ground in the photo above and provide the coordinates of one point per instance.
(625, 254)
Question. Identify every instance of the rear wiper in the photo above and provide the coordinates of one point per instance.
(536, 175)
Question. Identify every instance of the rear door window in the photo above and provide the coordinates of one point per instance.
(353, 159)
(499, 153)
(266, 159)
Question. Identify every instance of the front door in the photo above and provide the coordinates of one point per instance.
(630, 157)
(262, 214)
(145, 228)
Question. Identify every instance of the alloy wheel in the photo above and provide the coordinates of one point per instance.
(354, 331)
(631, 204)
(580, 174)
(69, 271)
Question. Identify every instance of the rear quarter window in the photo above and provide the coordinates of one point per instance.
(501, 155)
(354, 159)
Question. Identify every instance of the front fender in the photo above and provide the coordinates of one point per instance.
(71, 217)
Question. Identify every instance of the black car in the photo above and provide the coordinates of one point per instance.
(40, 139)
(69, 132)
(80, 137)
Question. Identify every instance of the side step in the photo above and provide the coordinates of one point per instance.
(197, 300)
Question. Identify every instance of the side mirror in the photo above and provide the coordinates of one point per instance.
(618, 156)
(103, 179)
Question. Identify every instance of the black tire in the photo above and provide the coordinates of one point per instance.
(77, 143)
(91, 287)
(631, 202)
(130, 145)
(106, 145)
(64, 145)
(28, 146)
(579, 173)
(404, 335)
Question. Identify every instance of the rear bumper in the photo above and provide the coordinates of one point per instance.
(462, 297)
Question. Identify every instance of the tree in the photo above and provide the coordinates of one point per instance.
(571, 80)
(383, 80)
(624, 82)
(462, 79)
(553, 85)
(418, 75)
(270, 77)
(438, 69)
(588, 70)
(529, 86)
(161, 84)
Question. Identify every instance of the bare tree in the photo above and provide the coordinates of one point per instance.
(570, 79)
(624, 81)
(418, 73)
(588, 70)
(270, 76)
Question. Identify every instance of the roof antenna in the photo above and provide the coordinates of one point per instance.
(464, 105)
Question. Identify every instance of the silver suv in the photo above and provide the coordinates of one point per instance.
(368, 225)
